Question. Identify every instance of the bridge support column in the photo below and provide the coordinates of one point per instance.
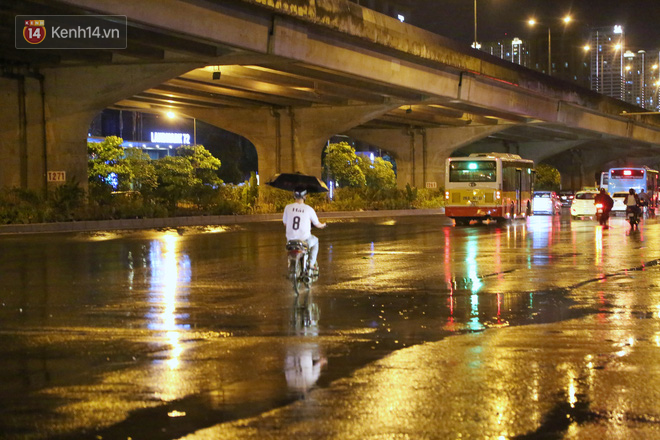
(290, 139)
(421, 153)
(580, 167)
(47, 116)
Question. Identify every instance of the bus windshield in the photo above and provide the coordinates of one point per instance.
(473, 171)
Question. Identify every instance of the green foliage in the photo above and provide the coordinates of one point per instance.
(428, 198)
(379, 174)
(141, 171)
(188, 184)
(411, 193)
(228, 200)
(251, 191)
(547, 178)
(176, 176)
(342, 165)
(21, 206)
(105, 158)
(348, 199)
(272, 200)
(203, 163)
(64, 201)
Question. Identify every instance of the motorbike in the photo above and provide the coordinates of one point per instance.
(298, 263)
(632, 214)
(599, 211)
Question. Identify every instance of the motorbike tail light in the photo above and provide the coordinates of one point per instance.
(599, 205)
(498, 195)
(446, 195)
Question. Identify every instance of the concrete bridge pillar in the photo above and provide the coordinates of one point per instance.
(580, 167)
(46, 116)
(421, 153)
(290, 139)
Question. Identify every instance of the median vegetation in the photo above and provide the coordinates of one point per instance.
(126, 183)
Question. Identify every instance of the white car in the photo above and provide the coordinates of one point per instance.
(583, 204)
(619, 207)
(546, 202)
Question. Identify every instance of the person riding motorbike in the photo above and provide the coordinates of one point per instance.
(643, 200)
(606, 202)
(632, 203)
(298, 218)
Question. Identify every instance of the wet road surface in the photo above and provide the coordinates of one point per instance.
(548, 328)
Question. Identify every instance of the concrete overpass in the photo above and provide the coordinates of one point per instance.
(292, 74)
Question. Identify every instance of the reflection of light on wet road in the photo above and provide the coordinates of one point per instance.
(475, 281)
(598, 254)
(448, 276)
(572, 399)
(474, 323)
(541, 240)
(498, 255)
(471, 260)
(168, 276)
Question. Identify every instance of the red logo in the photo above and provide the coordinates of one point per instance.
(34, 31)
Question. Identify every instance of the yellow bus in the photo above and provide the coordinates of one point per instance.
(486, 186)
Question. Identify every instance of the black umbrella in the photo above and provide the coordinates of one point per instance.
(292, 181)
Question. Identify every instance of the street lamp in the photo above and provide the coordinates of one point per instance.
(171, 115)
(532, 22)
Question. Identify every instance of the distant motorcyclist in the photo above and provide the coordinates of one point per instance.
(644, 199)
(606, 203)
(632, 203)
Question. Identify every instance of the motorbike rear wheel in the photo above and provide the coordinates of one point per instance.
(295, 273)
(633, 220)
(300, 273)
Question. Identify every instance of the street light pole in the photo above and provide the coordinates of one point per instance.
(533, 22)
(475, 24)
(549, 52)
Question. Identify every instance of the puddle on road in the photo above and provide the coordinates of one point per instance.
(325, 336)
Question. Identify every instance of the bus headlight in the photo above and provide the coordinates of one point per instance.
(498, 195)
(446, 195)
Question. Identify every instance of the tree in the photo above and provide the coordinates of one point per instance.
(204, 165)
(379, 174)
(250, 191)
(547, 178)
(342, 165)
(105, 161)
(176, 176)
(191, 175)
(142, 172)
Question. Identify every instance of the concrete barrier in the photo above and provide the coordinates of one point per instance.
(177, 222)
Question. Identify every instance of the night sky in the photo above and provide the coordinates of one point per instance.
(498, 19)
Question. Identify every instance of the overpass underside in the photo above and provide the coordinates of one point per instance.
(290, 76)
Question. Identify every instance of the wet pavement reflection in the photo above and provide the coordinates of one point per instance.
(160, 334)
